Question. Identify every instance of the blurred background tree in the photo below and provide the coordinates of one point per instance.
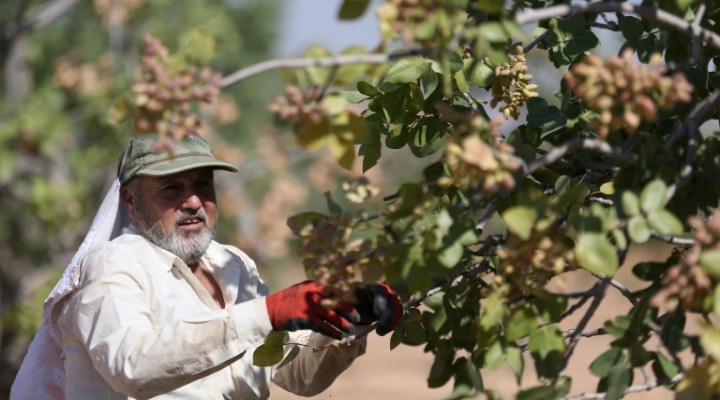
(64, 66)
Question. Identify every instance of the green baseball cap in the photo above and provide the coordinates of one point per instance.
(139, 157)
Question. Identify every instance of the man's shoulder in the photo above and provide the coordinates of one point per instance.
(229, 255)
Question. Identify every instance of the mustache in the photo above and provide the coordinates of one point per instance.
(186, 214)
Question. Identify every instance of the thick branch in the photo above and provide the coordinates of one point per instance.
(535, 15)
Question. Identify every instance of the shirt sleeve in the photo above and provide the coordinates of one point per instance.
(317, 365)
(111, 316)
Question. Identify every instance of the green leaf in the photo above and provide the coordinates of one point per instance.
(493, 312)
(347, 74)
(515, 361)
(289, 357)
(371, 155)
(481, 75)
(521, 324)
(414, 333)
(493, 31)
(652, 197)
(427, 136)
(491, 6)
(352, 9)
(619, 379)
(581, 43)
(332, 205)
(368, 89)
(632, 28)
(710, 261)
(540, 393)
(461, 82)
(549, 119)
(198, 46)
(602, 365)
(429, 82)
(271, 351)
(353, 97)
(595, 253)
(520, 220)
(494, 356)
(318, 75)
(450, 255)
(630, 203)
(407, 70)
(650, 271)
(664, 222)
(638, 229)
(546, 340)
(664, 368)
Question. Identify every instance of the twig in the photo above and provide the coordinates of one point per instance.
(487, 215)
(579, 144)
(691, 127)
(575, 337)
(632, 389)
(533, 15)
(586, 334)
(673, 239)
(623, 290)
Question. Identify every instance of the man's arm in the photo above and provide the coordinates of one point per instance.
(316, 366)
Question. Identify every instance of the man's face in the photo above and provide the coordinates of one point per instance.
(176, 212)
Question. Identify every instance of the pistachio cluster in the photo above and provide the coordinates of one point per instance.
(512, 85)
(527, 265)
(329, 256)
(164, 95)
(473, 164)
(297, 106)
(689, 283)
(417, 20)
(625, 93)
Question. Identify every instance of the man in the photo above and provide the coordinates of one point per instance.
(164, 311)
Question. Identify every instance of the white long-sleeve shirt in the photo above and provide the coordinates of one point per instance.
(141, 325)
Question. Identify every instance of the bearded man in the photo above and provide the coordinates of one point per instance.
(163, 311)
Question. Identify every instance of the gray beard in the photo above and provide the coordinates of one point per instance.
(187, 246)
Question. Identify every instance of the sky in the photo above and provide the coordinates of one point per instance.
(308, 22)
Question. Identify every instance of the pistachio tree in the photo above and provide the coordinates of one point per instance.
(612, 153)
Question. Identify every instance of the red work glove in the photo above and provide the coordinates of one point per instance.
(378, 302)
(299, 307)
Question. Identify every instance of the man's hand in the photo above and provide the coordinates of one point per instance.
(378, 302)
(300, 307)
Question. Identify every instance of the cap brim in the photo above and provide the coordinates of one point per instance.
(181, 164)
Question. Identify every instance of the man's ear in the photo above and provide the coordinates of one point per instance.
(128, 198)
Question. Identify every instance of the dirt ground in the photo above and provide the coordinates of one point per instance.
(402, 372)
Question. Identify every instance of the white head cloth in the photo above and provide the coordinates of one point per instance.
(42, 375)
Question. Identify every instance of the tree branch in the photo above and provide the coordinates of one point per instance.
(650, 385)
(575, 336)
(535, 15)
(598, 146)
(269, 65)
(46, 14)
(690, 127)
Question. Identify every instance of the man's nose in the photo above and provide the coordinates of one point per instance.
(192, 201)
